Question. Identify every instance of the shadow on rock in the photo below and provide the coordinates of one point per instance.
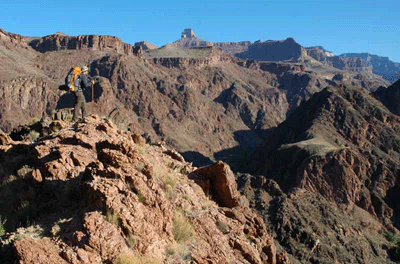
(196, 158)
(238, 157)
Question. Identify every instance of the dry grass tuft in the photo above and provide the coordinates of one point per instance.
(182, 229)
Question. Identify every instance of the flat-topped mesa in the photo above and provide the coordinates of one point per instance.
(101, 43)
(189, 40)
(271, 50)
(177, 57)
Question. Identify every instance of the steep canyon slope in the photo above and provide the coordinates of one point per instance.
(331, 178)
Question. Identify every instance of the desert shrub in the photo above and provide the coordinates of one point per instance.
(2, 227)
(24, 212)
(140, 167)
(24, 171)
(168, 186)
(207, 204)
(112, 217)
(181, 251)
(182, 229)
(131, 240)
(223, 227)
(34, 135)
(33, 120)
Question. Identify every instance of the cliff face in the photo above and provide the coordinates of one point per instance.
(353, 64)
(31, 96)
(11, 40)
(99, 194)
(388, 69)
(97, 43)
(318, 53)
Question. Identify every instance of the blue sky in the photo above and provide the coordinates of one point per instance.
(339, 26)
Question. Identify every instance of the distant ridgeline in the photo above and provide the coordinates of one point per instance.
(388, 69)
(290, 50)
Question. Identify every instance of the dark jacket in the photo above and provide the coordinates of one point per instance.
(82, 81)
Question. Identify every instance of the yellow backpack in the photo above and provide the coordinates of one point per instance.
(71, 76)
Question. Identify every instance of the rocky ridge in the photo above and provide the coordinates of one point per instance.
(99, 194)
(340, 148)
(145, 45)
(390, 97)
(289, 49)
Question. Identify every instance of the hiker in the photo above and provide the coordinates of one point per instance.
(81, 81)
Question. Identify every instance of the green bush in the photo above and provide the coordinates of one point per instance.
(392, 238)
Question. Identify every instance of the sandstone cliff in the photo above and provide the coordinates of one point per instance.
(98, 43)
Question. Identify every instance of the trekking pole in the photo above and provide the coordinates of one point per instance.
(92, 95)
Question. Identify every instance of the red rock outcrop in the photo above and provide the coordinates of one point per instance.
(135, 201)
(218, 181)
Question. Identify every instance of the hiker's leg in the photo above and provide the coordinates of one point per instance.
(84, 112)
(80, 104)
(76, 108)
